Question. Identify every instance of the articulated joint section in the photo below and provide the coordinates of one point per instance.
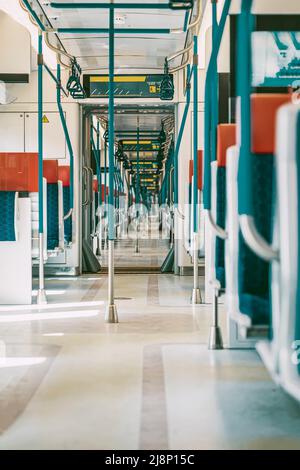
(255, 241)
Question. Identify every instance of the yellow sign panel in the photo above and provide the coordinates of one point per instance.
(152, 89)
(45, 120)
(134, 142)
(119, 79)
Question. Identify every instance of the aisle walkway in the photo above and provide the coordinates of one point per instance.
(70, 381)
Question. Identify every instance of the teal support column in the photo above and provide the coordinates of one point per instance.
(111, 127)
(180, 135)
(105, 170)
(208, 134)
(244, 84)
(40, 132)
(196, 293)
(111, 313)
(100, 166)
(195, 135)
(214, 90)
(41, 297)
(67, 136)
(137, 198)
(96, 154)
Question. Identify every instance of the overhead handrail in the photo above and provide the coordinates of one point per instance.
(245, 194)
(37, 22)
(210, 119)
(188, 48)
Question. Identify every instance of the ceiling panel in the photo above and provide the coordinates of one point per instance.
(138, 51)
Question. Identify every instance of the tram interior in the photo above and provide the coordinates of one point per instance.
(149, 225)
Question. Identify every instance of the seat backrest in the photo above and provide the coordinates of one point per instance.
(18, 173)
(64, 177)
(50, 172)
(226, 137)
(254, 277)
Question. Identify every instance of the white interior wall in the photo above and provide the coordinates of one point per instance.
(26, 102)
(12, 35)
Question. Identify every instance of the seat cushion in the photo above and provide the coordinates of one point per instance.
(257, 308)
(220, 219)
(52, 216)
(254, 273)
(68, 222)
(7, 216)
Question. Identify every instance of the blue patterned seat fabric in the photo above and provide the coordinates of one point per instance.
(52, 216)
(221, 220)
(68, 222)
(7, 216)
(254, 273)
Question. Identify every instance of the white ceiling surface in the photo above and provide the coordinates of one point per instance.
(129, 122)
(131, 51)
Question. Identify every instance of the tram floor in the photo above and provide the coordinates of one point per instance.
(68, 380)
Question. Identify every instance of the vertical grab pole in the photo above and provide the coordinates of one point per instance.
(176, 161)
(215, 336)
(137, 191)
(196, 294)
(41, 297)
(105, 195)
(67, 137)
(99, 236)
(111, 314)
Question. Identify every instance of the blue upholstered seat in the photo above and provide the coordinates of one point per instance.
(52, 216)
(254, 273)
(7, 216)
(221, 220)
(68, 222)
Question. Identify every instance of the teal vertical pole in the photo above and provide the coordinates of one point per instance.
(111, 314)
(214, 89)
(40, 132)
(179, 138)
(196, 293)
(99, 159)
(41, 297)
(111, 126)
(244, 87)
(67, 136)
(208, 105)
(137, 198)
(105, 170)
(195, 134)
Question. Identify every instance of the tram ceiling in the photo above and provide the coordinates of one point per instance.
(139, 51)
